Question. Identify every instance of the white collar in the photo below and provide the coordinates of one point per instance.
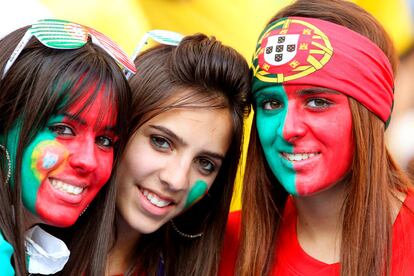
(45, 253)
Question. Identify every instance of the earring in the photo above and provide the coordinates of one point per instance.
(182, 234)
(8, 163)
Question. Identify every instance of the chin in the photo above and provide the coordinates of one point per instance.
(60, 222)
(58, 219)
(146, 228)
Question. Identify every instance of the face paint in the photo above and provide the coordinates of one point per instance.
(67, 162)
(270, 128)
(306, 134)
(43, 155)
(197, 191)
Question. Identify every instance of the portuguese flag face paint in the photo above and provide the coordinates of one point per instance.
(68, 161)
(306, 134)
(44, 153)
(304, 70)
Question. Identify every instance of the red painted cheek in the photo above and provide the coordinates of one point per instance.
(329, 134)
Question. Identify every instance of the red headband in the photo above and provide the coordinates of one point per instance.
(308, 51)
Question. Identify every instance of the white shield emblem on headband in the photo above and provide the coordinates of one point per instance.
(281, 49)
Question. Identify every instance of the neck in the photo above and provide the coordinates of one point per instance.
(30, 219)
(319, 226)
(121, 255)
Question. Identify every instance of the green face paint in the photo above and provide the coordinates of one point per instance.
(270, 125)
(37, 157)
(197, 191)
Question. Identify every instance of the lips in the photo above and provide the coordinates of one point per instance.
(295, 157)
(155, 199)
(66, 187)
(154, 204)
(71, 192)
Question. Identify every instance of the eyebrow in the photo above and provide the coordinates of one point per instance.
(213, 155)
(74, 118)
(168, 132)
(317, 90)
(83, 122)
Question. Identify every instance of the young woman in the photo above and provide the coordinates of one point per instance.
(176, 176)
(61, 93)
(321, 194)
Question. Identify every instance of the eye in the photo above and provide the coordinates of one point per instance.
(104, 141)
(61, 129)
(206, 166)
(160, 142)
(271, 104)
(318, 103)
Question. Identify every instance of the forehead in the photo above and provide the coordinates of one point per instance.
(207, 128)
(93, 106)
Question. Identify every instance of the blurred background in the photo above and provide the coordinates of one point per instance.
(235, 22)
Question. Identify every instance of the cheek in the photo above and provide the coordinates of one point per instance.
(344, 142)
(48, 156)
(337, 133)
(104, 167)
(40, 158)
(267, 128)
(197, 191)
(140, 159)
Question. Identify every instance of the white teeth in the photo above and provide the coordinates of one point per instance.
(70, 189)
(154, 199)
(298, 156)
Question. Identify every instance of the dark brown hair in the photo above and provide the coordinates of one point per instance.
(366, 226)
(41, 83)
(202, 73)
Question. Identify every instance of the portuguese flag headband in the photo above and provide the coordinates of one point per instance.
(313, 52)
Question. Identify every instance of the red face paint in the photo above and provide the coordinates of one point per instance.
(319, 127)
(68, 186)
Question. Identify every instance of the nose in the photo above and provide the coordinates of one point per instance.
(175, 173)
(83, 156)
(294, 126)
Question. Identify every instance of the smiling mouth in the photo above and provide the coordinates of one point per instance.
(65, 187)
(155, 199)
(294, 157)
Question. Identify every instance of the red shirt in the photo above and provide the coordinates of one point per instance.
(292, 260)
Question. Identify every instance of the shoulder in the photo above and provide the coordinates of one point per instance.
(403, 238)
(231, 244)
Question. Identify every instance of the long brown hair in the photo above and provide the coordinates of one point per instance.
(41, 83)
(366, 225)
(214, 76)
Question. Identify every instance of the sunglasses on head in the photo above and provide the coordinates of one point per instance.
(62, 34)
(160, 36)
